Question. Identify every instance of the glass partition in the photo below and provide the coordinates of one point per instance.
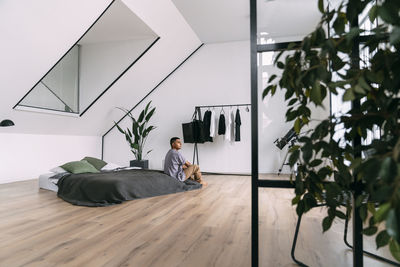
(285, 21)
(106, 51)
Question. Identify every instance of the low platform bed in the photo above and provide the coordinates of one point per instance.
(114, 187)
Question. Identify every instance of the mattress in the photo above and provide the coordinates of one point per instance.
(47, 183)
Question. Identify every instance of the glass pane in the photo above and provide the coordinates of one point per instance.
(58, 90)
(272, 123)
(286, 20)
(109, 48)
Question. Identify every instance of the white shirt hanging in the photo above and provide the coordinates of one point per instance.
(228, 126)
(212, 124)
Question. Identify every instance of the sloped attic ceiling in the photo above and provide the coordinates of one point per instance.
(44, 30)
(225, 20)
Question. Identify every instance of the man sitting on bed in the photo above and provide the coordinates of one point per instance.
(175, 164)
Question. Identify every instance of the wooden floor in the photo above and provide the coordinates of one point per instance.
(207, 227)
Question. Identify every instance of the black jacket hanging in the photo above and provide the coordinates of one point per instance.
(207, 124)
(238, 122)
(221, 124)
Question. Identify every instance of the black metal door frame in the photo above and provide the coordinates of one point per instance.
(255, 182)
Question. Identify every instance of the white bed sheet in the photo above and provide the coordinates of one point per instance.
(46, 183)
(50, 184)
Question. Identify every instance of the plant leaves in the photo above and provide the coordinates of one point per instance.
(315, 94)
(273, 76)
(392, 226)
(326, 223)
(141, 116)
(382, 212)
(382, 239)
(395, 249)
(321, 6)
(147, 107)
(370, 230)
(294, 157)
(349, 95)
(148, 116)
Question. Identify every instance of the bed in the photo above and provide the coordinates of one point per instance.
(113, 187)
(46, 182)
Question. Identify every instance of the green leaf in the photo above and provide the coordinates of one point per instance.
(315, 94)
(359, 89)
(382, 239)
(273, 76)
(382, 212)
(129, 132)
(388, 169)
(392, 226)
(363, 83)
(294, 157)
(147, 107)
(326, 223)
(119, 128)
(349, 95)
(371, 207)
(340, 214)
(339, 23)
(395, 36)
(280, 65)
(373, 12)
(321, 6)
(292, 101)
(135, 146)
(370, 230)
(388, 13)
(307, 152)
(150, 114)
(141, 116)
(395, 249)
(296, 200)
(315, 162)
(297, 125)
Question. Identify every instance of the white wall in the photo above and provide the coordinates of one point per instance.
(35, 35)
(26, 156)
(217, 74)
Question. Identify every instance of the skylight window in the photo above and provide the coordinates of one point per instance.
(100, 57)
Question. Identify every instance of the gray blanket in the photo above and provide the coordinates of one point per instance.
(108, 188)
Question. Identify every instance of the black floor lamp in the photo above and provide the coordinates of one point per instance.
(6, 123)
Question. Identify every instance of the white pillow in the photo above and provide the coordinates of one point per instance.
(110, 167)
(58, 170)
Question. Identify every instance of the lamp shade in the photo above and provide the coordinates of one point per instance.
(6, 123)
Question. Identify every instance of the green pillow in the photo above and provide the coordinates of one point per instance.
(79, 167)
(97, 163)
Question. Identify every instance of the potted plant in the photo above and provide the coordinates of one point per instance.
(326, 64)
(137, 134)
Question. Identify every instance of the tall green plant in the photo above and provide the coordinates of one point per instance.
(137, 134)
(322, 65)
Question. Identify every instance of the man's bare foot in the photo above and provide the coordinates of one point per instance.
(204, 183)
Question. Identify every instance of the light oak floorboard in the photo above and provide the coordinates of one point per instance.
(206, 227)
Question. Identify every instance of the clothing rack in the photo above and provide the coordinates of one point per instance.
(197, 112)
(221, 106)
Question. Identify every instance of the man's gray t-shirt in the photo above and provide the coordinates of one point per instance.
(173, 164)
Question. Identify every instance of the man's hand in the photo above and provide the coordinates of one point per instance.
(187, 163)
(184, 166)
